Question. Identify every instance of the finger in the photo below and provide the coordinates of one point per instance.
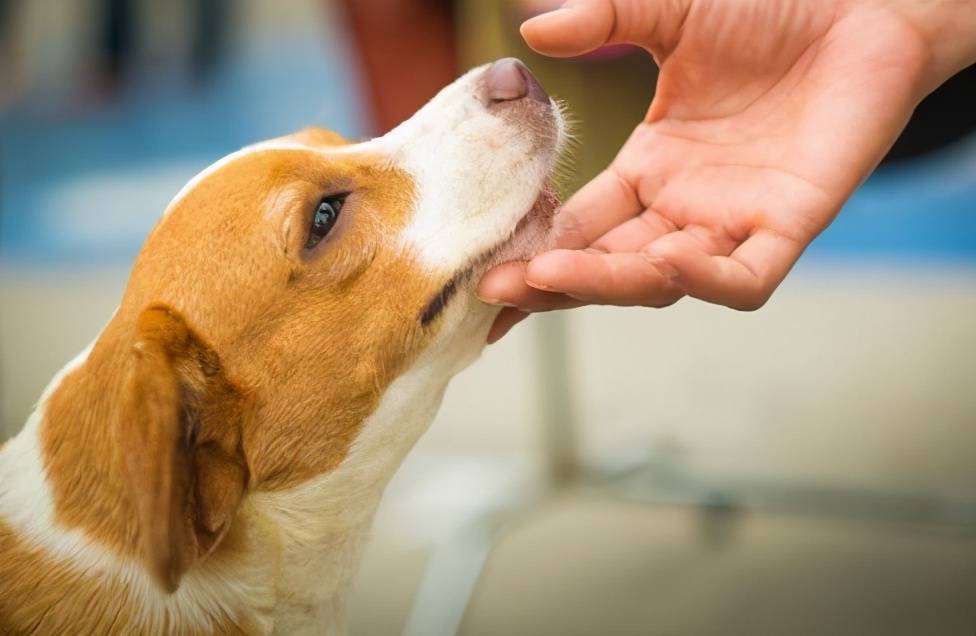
(505, 285)
(743, 280)
(581, 26)
(603, 203)
(632, 278)
(574, 29)
(634, 234)
(506, 319)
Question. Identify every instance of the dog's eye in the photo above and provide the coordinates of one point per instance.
(325, 217)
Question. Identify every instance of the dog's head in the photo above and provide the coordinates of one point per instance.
(289, 284)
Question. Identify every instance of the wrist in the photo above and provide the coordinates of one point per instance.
(947, 29)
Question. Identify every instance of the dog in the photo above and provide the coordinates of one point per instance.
(212, 462)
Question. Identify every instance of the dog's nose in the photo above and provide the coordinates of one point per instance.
(509, 79)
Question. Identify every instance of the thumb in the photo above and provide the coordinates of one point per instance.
(581, 26)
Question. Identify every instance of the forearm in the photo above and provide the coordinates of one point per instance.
(948, 29)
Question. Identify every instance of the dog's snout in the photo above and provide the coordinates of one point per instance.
(509, 79)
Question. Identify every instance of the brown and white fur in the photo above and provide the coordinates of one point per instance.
(212, 462)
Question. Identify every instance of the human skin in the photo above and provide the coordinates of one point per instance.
(767, 116)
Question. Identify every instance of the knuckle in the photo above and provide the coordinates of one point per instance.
(660, 302)
(571, 230)
(751, 302)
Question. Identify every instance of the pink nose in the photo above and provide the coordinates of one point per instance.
(509, 79)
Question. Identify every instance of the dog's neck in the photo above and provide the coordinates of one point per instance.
(321, 526)
(286, 565)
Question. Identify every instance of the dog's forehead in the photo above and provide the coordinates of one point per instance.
(312, 139)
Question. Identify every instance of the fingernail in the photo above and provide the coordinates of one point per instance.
(556, 6)
(495, 301)
(545, 14)
(537, 285)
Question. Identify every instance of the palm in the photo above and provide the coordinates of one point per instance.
(746, 135)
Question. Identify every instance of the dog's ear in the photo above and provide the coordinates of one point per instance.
(180, 433)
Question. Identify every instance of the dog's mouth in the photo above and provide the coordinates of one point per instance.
(531, 235)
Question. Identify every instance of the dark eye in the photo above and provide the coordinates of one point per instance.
(325, 217)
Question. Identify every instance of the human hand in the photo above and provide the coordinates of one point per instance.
(767, 116)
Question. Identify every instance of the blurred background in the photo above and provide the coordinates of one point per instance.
(806, 469)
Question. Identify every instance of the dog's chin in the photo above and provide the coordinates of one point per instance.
(532, 235)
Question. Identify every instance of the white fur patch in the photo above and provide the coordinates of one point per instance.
(478, 172)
